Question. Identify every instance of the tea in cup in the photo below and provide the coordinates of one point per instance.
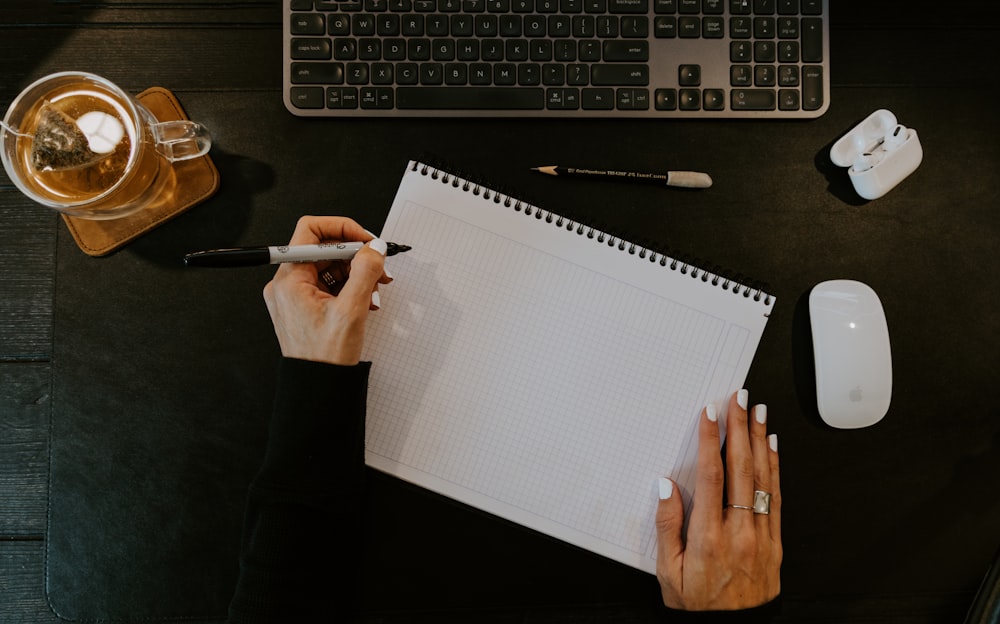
(77, 143)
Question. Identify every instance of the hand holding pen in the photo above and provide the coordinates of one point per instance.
(324, 320)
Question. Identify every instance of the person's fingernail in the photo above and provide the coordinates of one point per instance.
(378, 245)
(772, 441)
(710, 413)
(387, 273)
(370, 234)
(760, 413)
(666, 488)
(376, 300)
(742, 397)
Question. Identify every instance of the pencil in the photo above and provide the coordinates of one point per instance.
(685, 179)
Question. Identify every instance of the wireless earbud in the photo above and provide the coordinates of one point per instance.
(864, 162)
(879, 153)
(895, 138)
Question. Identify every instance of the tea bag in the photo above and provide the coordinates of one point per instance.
(61, 143)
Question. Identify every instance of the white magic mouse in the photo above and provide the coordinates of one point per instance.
(851, 348)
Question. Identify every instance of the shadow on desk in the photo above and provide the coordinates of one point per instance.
(218, 222)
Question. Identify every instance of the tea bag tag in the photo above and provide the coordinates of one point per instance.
(103, 131)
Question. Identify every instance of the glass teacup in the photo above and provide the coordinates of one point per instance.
(77, 143)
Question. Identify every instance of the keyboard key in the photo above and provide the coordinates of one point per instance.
(740, 7)
(635, 26)
(307, 97)
(308, 24)
(628, 6)
(598, 99)
(632, 99)
(740, 27)
(562, 99)
(665, 27)
(788, 76)
(788, 7)
(741, 76)
(626, 50)
(713, 28)
(713, 99)
(666, 99)
(689, 99)
(764, 7)
(640, 99)
(812, 87)
(338, 25)
(376, 97)
(624, 74)
(317, 73)
(812, 7)
(752, 99)
(812, 40)
(689, 75)
(311, 49)
(788, 99)
(471, 98)
(689, 27)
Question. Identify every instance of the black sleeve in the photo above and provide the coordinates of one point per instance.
(303, 510)
(763, 614)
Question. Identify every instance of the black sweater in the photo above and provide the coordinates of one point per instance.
(303, 517)
(303, 510)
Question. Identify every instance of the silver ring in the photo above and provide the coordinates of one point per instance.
(761, 502)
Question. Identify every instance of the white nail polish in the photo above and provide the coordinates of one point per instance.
(760, 413)
(710, 413)
(387, 273)
(379, 245)
(772, 441)
(370, 234)
(666, 488)
(742, 398)
(376, 300)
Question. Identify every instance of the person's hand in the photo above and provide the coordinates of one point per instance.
(732, 557)
(325, 322)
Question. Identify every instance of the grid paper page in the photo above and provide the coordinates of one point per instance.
(518, 373)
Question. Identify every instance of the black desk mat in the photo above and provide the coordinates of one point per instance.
(157, 427)
(159, 413)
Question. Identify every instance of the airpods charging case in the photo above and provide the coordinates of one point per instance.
(891, 167)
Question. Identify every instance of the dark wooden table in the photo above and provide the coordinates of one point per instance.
(896, 523)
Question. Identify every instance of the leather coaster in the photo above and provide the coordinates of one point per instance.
(199, 180)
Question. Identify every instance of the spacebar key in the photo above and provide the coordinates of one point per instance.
(471, 98)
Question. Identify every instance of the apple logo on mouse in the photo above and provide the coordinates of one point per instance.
(852, 354)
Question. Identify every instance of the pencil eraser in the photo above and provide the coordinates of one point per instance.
(689, 179)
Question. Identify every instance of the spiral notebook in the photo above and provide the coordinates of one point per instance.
(542, 370)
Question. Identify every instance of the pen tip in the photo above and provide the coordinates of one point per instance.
(395, 248)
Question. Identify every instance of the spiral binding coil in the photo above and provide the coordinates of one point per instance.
(715, 276)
